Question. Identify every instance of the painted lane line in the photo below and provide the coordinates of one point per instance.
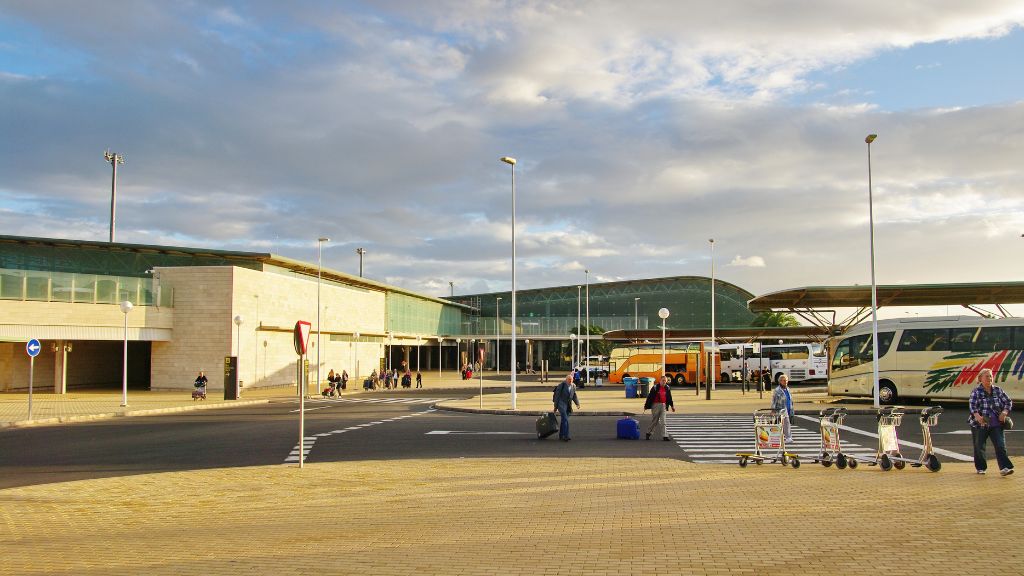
(469, 432)
(309, 441)
(948, 453)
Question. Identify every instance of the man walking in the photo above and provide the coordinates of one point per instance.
(782, 402)
(563, 399)
(658, 401)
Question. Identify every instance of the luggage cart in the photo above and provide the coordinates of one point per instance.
(768, 436)
(199, 393)
(829, 421)
(889, 455)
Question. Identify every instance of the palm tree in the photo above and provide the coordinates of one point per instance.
(775, 319)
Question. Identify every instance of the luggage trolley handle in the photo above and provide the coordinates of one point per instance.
(834, 415)
(890, 416)
(767, 417)
(930, 416)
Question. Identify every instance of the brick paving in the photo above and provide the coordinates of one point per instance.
(517, 516)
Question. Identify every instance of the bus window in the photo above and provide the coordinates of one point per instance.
(993, 338)
(927, 339)
(1018, 338)
(962, 339)
(856, 350)
(794, 353)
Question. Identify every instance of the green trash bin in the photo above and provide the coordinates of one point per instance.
(645, 386)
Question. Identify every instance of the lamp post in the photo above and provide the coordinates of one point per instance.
(361, 252)
(114, 159)
(579, 324)
(439, 341)
(636, 313)
(497, 336)
(512, 162)
(586, 370)
(419, 341)
(714, 369)
(874, 298)
(458, 353)
(663, 314)
(355, 354)
(126, 307)
(451, 285)
(572, 337)
(319, 259)
(238, 319)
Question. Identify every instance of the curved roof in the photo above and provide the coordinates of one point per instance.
(822, 297)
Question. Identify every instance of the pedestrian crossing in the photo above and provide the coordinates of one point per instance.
(302, 451)
(376, 400)
(715, 439)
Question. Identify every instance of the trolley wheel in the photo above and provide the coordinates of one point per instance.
(743, 461)
(825, 461)
(794, 462)
(885, 463)
(933, 464)
(852, 463)
(899, 464)
(841, 461)
(758, 462)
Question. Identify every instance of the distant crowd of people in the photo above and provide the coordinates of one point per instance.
(392, 379)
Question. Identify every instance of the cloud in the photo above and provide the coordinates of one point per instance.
(749, 262)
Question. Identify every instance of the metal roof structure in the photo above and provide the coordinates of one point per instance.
(811, 302)
(746, 334)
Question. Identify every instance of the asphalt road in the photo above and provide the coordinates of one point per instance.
(379, 426)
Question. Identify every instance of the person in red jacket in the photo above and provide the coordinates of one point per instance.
(658, 400)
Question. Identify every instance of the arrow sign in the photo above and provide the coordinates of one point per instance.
(302, 329)
(33, 348)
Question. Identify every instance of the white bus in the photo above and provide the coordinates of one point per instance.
(929, 357)
(799, 362)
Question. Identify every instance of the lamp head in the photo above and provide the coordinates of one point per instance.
(239, 320)
(126, 306)
(870, 138)
(508, 160)
(663, 313)
(323, 239)
(572, 336)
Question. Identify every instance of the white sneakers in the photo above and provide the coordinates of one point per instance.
(980, 472)
(1006, 471)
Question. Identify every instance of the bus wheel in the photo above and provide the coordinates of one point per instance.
(725, 378)
(886, 392)
(679, 380)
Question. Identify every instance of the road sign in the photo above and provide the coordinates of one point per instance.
(33, 347)
(302, 329)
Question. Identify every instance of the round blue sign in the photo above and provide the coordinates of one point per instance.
(33, 347)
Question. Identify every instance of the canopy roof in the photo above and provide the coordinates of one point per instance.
(748, 333)
(828, 297)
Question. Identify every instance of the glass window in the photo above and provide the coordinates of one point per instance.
(37, 285)
(795, 353)
(962, 339)
(11, 285)
(856, 350)
(927, 339)
(994, 338)
(1018, 338)
(63, 286)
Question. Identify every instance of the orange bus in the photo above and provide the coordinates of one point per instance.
(682, 362)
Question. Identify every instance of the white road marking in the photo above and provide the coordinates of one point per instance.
(309, 441)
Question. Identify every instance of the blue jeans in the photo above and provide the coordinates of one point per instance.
(563, 422)
(980, 435)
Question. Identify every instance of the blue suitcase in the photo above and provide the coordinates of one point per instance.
(628, 429)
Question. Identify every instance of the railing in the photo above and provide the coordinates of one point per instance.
(556, 326)
(42, 286)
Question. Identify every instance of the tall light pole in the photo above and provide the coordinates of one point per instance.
(512, 162)
(451, 285)
(439, 342)
(126, 307)
(586, 372)
(714, 369)
(355, 352)
(497, 335)
(874, 298)
(238, 319)
(663, 314)
(114, 159)
(579, 324)
(636, 313)
(573, 338)
(361, 252)
(319, 269)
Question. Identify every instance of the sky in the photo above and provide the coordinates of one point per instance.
(641, 130)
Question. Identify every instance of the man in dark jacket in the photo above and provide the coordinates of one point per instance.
(563, 399)
(658, 400)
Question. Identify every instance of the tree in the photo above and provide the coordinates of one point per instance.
(775, 319)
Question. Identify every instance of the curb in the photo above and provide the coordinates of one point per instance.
(112, 415)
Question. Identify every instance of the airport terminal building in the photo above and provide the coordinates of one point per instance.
(194, 307)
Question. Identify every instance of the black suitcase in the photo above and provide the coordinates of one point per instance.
(547, 424)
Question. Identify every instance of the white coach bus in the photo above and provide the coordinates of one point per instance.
(929, 357)
(799, 362)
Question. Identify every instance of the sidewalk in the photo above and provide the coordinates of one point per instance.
(553, 514)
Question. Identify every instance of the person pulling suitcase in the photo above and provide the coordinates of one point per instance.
(563, 399)
(658, 400)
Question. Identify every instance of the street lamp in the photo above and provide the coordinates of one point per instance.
(361, 252)
(451, 285)
(579, 324)
(238, 348)
(636, 313)
(512, 162)
(663, 314)
(874, 298)
(497, 336)
(126, 307)
(573, 354)
(114, 159)
(319, 268)
(714, 369)
(439, 342)
(586, 370)
(355, 353)
(458, 353)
